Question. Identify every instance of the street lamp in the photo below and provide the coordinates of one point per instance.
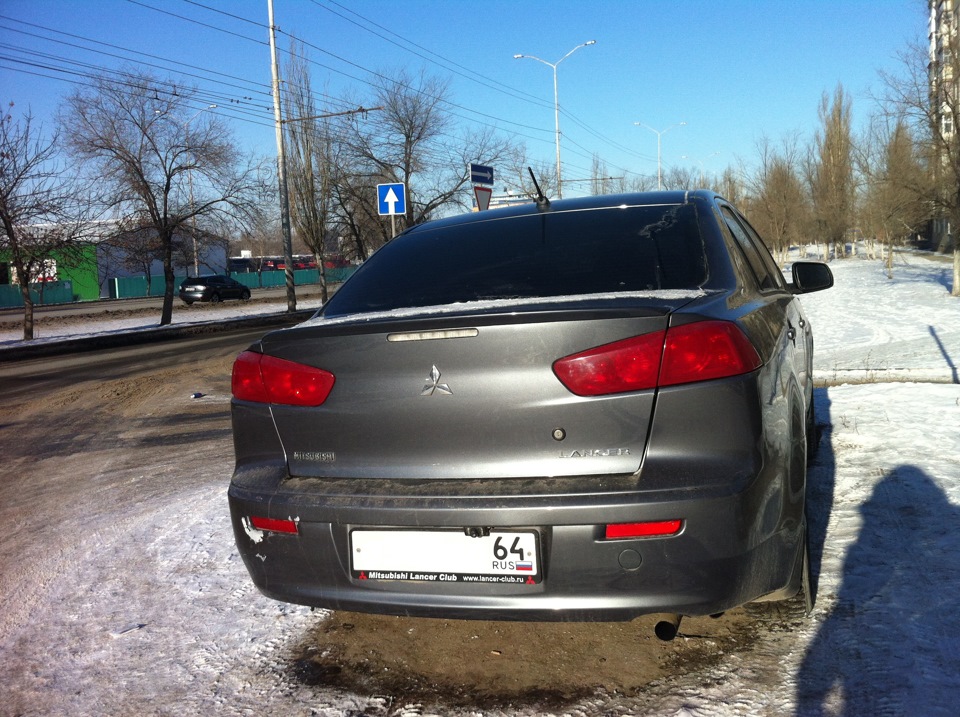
(659, 134)
(700, 162)
(556, 101)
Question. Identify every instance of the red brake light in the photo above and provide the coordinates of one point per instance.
(246, 382)
(706, 350)
(266, 379)
(628, 365)
(699, 351)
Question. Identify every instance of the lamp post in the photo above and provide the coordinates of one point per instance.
(556, 101)
(193, 219)
(659, 134)
(700, 162)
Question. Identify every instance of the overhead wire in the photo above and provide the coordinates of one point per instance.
(244, 106)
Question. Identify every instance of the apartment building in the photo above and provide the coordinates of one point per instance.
(944, 75)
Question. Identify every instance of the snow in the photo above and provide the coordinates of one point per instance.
(153, 613)
(505, 305)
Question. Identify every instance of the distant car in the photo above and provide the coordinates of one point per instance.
(590, 409)
(213, 289)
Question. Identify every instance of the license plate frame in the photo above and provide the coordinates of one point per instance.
(509, 556)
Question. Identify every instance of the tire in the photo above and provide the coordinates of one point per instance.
(215, 299)
(245, 295)
(188, 303)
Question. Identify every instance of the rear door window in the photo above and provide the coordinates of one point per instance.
(767, 276)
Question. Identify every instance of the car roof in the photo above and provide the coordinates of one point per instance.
(555, 206)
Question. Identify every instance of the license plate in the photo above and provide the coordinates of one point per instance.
(445, 556)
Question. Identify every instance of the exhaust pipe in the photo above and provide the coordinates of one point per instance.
(667, 626)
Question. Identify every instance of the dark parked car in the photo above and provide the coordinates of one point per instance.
(587, 410)
(212, 288)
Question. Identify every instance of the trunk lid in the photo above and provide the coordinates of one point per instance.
(464, 396)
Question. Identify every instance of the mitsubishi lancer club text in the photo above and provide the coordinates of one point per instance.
(586, 409)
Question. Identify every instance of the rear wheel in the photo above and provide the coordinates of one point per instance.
(245, 295)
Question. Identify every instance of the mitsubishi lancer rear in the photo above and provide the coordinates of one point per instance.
(589, 409)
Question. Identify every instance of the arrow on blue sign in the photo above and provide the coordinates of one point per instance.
(481, 174)
(391, 199)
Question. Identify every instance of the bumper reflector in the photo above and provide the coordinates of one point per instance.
(654, 529)
(273, 525)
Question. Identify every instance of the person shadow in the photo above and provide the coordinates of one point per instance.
(891, 642)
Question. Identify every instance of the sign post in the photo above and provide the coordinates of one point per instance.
(392, 200)
(481, 174)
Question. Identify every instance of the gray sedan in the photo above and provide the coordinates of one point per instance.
(590, 409)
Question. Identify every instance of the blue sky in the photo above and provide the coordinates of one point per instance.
(735, 71)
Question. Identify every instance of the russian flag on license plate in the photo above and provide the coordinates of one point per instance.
(525, 566)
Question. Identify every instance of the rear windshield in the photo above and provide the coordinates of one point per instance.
(592, 251)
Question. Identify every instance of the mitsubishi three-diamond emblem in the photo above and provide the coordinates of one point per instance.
(433, 384)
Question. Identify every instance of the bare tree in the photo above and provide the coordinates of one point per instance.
(138, 250)
(516, 174)
(42, 212)
(310, 167)
(896, 202)
(731, 186)
(681, 178)
(926, 94)
(830, 172)
(146, 140)
(412, 139)
(779, 207)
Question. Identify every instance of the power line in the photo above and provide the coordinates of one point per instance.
(469, 73)
(246, 104)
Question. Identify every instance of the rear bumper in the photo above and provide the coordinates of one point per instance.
(729, 551)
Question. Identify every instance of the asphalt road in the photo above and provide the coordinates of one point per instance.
(63, 370)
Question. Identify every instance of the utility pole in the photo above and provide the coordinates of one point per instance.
(282, 168)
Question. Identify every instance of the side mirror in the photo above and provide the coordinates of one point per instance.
(810, 276)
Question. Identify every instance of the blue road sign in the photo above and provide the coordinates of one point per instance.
(392, 198)
(479, 174)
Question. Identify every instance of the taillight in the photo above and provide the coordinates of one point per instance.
(628, 365)
(267, 379)
(706, 350)
(682, 354)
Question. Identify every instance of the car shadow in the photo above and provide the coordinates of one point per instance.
(821, 479)
(889, 644)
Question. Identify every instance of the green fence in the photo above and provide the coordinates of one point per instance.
(50, 292)
(136, 286)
